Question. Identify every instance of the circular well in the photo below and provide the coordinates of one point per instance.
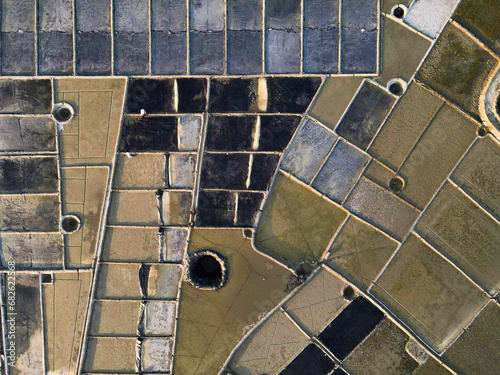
(70, 223)
(63, 112)
(482, 131)
(207, 270)
(396, 86)
(349, 293)
(399, 11)
(396, 184)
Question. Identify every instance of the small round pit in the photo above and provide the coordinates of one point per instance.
(482, 131)
(399, 11)
(396, 184)
(63, 112)
(349, 293)
(70, 224)
(396, 86)
(248, 233)
(207, 269)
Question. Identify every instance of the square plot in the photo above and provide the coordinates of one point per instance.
(115, 318)
(131, 16)
(189, 130)
(152, 95)
(480, 17)
(28, 175)
(140, 171)
(55, 15)
(383, 352)
(181, 168)
(428, 294)
(156, 354)
(282, 51)
(18, 15)
(308, 150)
(169, 52)
(402, 52)
(365, 115)
(176, 206)
(131, 53)
(476, 350)
(429, 16)
(175, 241)
(436, 154)
(317, 302)
(283, 14)
(192, 94)
(164, 281)
(159, 318)
(168, 16)
(321, 50)
(137, 207)
(458, 68)
(206, 52)
(230, 133)
(244, 51)
(244, 15)
(351, 327)
(18, 248)
(216, 209)
(479, 174)
(92, 15)
(55, 52)
(333, 99)
(465, 234)
(311, 361)
(274, 344)
(225, 171)
(382, 208)
(232, 94)
(360, 252)
(359, 37)
(248, 208)
(206, 15)
(340, 171)
(405, 125)
(294, 215)
(358, 51)
(291, 94)
(321, 14)
(27, 134)
(18, 53)
(149, 134)
(28, 212)
(276, 132)
(263, 168)
(110, 354)
(119, 281)
(131, 244)
(93, 53)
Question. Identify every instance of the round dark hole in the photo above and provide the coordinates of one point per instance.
(349, 293)
(498, 105)
(398, 12)
(70, 224)
(206, 270)
(396, 88)
(396, 184)
(482, 131)
(62, 114)
(248, 233)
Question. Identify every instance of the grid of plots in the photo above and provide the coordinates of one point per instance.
(198, 37)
